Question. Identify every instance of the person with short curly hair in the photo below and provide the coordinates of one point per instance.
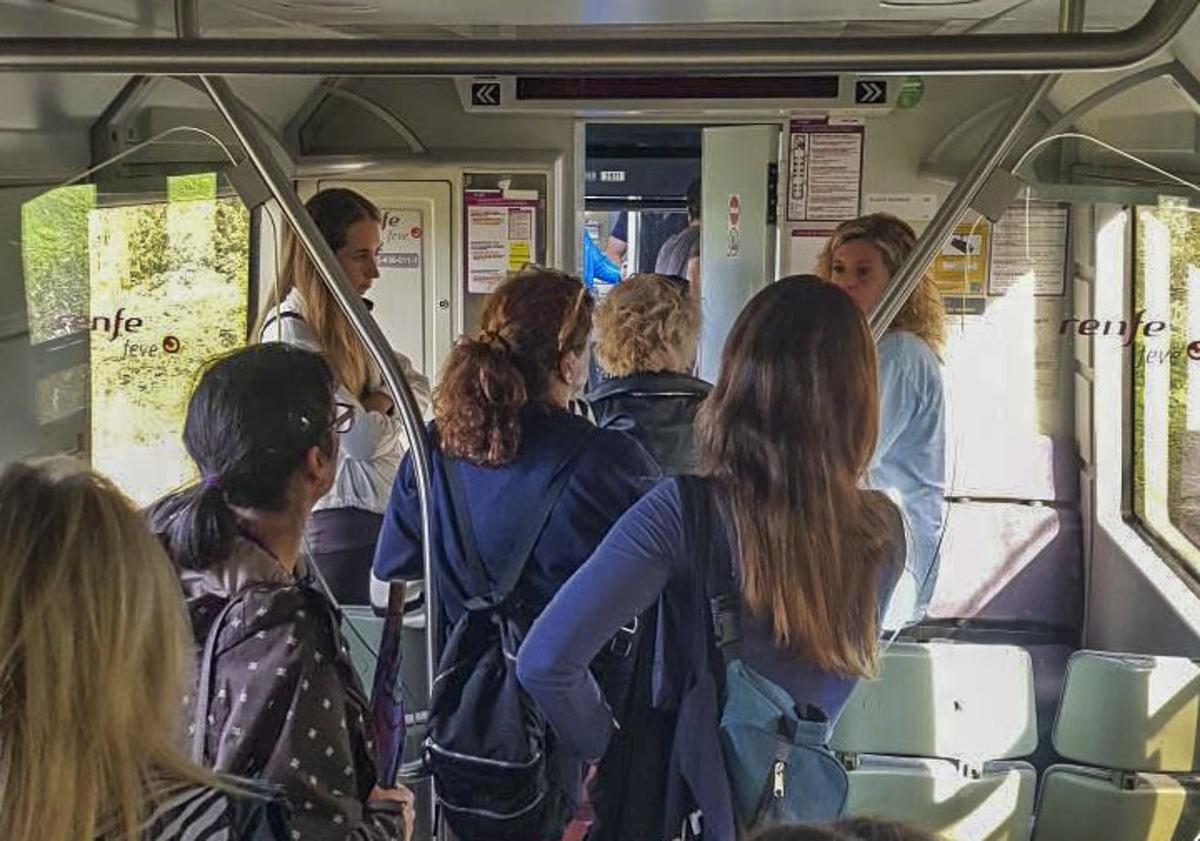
(862, 256)
(647, 329)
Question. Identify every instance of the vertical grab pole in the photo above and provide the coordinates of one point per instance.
(335, 278)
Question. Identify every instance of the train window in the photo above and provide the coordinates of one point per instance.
(1166, 377)
(152, 287)
(54, 250)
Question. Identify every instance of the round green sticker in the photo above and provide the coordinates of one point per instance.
(912, 91)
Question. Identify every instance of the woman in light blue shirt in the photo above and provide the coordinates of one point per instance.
(861, 256)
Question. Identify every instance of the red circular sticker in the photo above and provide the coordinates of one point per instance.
(415, 233)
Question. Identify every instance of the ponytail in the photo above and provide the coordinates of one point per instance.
(482, 377)
(196, 525)
(251, 419)
(533, 319)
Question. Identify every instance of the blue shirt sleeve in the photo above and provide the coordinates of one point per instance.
(624, 576)
(398, 550)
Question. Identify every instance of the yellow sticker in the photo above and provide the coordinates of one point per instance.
(519, 253)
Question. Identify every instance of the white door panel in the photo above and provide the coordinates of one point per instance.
(737, 243)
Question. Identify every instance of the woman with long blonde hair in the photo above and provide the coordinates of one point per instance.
(95, 660)
(301, 310)
(862, 256)
(786, 437)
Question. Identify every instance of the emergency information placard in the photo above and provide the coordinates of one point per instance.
(501, 235)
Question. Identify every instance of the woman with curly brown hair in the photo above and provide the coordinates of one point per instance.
(647, 328)
(910, 459)
(503, 445)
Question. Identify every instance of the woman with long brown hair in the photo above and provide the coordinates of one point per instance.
(861, 257)
(786, 436)
(505, 445)
(300, 310)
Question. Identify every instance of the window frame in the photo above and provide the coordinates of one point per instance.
(1168, 544)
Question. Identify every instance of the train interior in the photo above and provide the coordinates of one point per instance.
(1053, 691)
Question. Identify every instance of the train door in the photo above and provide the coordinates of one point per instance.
(412, 295)
(737, 242)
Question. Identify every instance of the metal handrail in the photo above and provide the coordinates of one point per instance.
(996, 53)
(352, 306)
(951, 210)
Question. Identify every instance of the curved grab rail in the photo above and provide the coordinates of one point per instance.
(351, 304)
(1002, 53)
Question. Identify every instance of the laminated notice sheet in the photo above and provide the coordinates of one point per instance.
(501, 235)
(1029, 247)
(825, 157)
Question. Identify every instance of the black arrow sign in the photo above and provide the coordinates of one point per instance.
(485, 93)
(870, 93)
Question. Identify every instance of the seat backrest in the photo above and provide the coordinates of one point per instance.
(1131, 712)
(943, 699)
(363, 631)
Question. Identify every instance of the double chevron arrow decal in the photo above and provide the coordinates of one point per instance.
(870, 93)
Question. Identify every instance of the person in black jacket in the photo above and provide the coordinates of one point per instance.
(647, 329)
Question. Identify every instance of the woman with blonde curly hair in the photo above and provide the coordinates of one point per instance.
(862, 256)
(647, 329)
(94, 661)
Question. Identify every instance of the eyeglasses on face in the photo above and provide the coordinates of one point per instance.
(343, 418)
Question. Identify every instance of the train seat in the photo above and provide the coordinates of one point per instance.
(932, 740)
(1132, 722)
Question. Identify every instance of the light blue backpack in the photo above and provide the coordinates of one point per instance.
(777, 758)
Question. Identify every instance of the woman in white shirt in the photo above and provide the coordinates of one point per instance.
(301, 310)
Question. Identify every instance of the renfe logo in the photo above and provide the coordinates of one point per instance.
(1096, 327)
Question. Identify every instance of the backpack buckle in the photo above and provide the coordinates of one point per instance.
(725, 618)
(622, 643)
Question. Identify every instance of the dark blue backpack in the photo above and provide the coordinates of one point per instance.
(495, 768)
(777, 760)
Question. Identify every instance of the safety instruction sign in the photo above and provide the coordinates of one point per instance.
(501, 233)
(960, 270)
(1029, 249)
(825, 158)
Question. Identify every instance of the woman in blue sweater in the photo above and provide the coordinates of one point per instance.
(785, 439)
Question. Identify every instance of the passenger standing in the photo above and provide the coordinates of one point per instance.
(501, 425)
(910, 456)
(277, 696)
(647, 329)
(786, 437)
(94, 647)
(301, 310)
(680, 255)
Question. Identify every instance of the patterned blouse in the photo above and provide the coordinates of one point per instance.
(285, 704)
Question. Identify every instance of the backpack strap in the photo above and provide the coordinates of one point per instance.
(279, 316)
(703, 518)
(204, 682)
(489, 595)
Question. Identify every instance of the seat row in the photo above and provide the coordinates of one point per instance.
(936, 739)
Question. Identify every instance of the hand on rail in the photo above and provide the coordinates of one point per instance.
(378, 401)
(407, 800)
